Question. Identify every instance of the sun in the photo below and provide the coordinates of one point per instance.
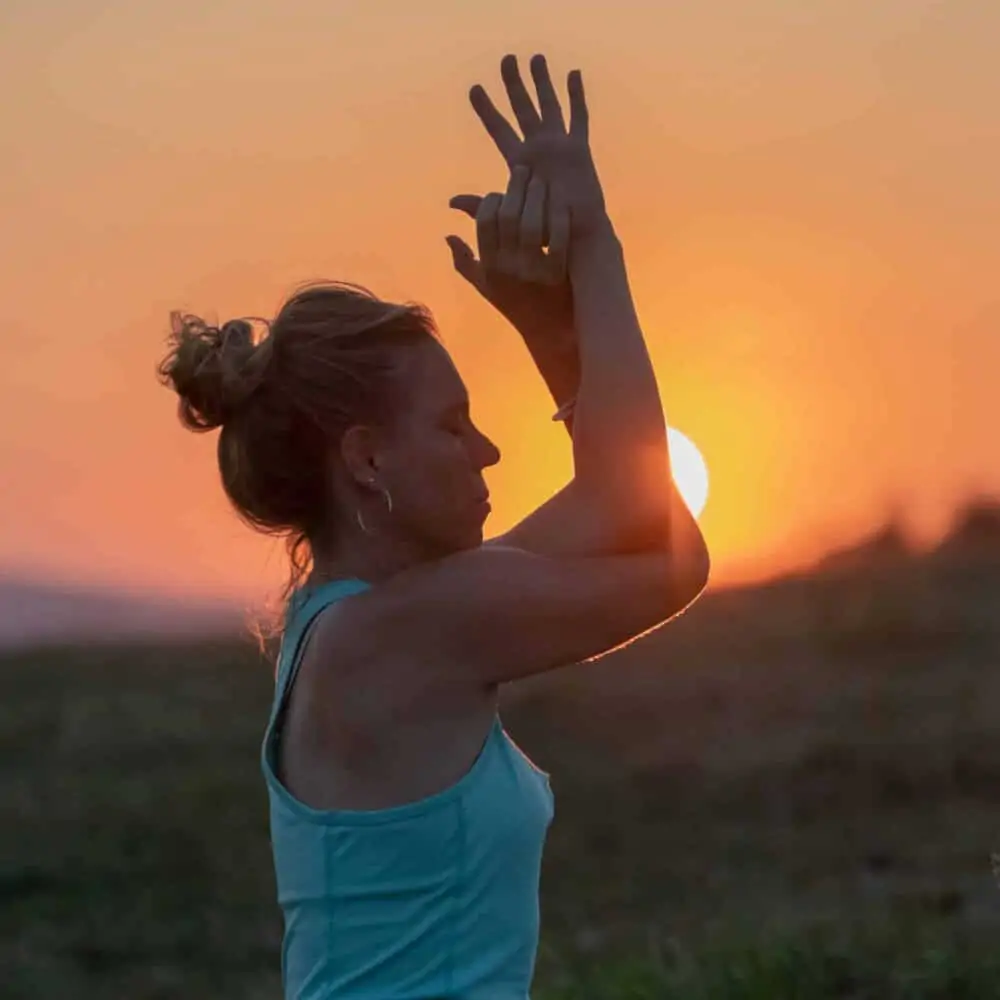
(690, 471)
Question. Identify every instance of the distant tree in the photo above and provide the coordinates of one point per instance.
(976, 526)
(886, 546)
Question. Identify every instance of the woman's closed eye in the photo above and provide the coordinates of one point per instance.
(458, 420)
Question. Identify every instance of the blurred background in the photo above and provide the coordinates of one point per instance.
(791, 790)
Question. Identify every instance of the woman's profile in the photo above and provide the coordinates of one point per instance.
(407, 827)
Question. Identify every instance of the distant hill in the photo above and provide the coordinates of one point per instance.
(974, 532)
(885, 548)
(972, 537)
(33, 613)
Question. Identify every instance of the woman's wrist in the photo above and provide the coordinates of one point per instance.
(558, 362)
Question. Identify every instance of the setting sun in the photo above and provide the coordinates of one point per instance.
(690, 471)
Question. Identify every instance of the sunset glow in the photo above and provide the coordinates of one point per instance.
(807, 206)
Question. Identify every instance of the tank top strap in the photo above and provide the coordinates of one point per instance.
(303, 609)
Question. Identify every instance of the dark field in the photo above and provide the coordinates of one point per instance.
(792, 791)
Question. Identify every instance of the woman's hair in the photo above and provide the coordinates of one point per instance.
(324, 363)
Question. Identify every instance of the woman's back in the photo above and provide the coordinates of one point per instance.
(433, 898)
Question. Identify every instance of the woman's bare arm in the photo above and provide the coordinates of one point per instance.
(623, 488)
(489, 615)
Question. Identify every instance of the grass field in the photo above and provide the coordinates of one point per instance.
(793, 791)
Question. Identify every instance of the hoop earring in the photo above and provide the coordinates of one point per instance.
(388, 503)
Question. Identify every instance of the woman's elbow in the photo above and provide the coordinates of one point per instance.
(695, 571)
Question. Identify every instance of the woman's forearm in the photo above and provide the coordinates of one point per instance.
(620, 448)
(557, 357)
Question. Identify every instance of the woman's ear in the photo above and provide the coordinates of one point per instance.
(359, 448)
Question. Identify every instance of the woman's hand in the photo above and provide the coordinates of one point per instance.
(523, 239)
(558, 155)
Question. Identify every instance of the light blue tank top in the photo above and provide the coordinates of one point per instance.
(434, 899)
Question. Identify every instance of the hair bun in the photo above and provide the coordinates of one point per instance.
(211, 368)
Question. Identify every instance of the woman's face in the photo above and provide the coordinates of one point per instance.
(433, 460)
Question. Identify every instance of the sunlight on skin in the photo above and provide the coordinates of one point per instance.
(689, 471)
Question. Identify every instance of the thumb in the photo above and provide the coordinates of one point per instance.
(465, 260)
(468, 203)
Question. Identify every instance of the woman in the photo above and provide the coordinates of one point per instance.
(407, 827)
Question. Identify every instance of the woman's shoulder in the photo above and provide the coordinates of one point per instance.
(374, 726)
(356, 659)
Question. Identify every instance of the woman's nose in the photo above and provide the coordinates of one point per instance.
(490, 454)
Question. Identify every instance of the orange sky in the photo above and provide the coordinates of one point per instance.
(807, 196)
